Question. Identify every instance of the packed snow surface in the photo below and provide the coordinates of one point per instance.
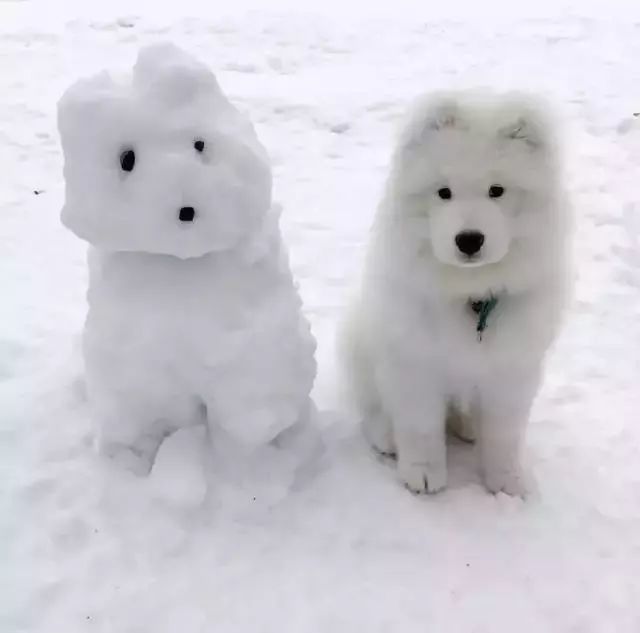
(88, 547)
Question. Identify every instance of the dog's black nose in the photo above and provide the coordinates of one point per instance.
(469, 242)
(187, 214)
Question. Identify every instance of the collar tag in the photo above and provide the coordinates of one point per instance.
(483, 308)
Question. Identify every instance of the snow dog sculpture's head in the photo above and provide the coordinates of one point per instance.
(159, 161)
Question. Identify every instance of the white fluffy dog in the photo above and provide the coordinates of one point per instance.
(464, 287)
(193, 314)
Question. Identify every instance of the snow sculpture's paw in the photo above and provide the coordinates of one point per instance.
(260, 426)
(423, 477)
(133, 459)
(178, 475)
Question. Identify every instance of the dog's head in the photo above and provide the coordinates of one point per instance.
(477, 175)
(160, 161)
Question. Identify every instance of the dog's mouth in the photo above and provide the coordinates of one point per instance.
(466, 258)
(470, 261)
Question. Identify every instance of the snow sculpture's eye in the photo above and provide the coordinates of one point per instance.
(199, 146)
(496, 191)
(127, 160)
(444, 193)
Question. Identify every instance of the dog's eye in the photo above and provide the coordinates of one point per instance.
(127, 160)
(496, 191)
(199, 146)
(445, 193)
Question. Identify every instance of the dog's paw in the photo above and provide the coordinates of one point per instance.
(511, 481)
(422, 478)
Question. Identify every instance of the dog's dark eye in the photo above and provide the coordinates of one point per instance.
(199, 146)
(445, 193)
(496, 191)
(127, 160)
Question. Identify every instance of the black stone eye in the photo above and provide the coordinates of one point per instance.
(445, 193)
(496, 191)
(127, 160)
(199, 146)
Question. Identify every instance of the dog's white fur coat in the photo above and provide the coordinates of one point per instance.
(409, 345)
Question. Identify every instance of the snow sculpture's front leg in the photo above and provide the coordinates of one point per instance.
(265, 390)
(127, 432)
(134, 405)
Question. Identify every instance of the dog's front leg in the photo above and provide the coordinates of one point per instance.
(417, 406)
(505, 404)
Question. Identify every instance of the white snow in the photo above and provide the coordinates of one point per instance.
(89, 548)
(156, 115)
(193, 315)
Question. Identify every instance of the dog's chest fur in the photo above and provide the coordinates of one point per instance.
(516, 334)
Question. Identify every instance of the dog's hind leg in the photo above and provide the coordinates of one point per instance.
(359, 374)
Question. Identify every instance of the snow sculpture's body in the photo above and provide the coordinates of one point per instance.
(193, 314)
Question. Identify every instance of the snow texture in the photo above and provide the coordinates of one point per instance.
(193, 314)
(154, 119)
(86, 548)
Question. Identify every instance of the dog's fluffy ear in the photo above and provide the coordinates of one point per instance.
(524, 120)
(430, 116)
(441, 112)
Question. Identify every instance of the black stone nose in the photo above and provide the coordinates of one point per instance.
(469, 242)
(187, 214)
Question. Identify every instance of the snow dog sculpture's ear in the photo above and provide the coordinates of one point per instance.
(85, 104)
(172, 76)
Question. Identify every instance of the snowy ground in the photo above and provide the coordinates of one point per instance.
(349, 549)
